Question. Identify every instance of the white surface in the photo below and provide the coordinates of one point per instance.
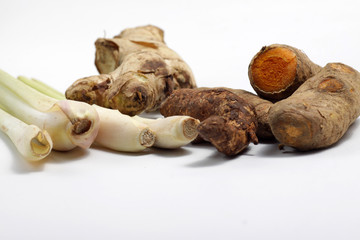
(193, 192)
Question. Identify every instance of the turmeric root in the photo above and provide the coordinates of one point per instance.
(261, 108)
(137, 72)
(320, 111)
(276, 71)
(226, 120)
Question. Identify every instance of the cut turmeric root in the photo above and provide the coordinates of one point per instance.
(276, 71)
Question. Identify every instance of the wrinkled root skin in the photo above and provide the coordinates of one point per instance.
(319, 113)
(261, 108)
(137, 72)
(277, 70)
(226, 120)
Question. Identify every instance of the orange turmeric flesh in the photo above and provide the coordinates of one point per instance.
(274, 70)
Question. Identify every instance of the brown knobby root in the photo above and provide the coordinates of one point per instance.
(276, 71)
(320, 111)
(261, 108)
(226, 120)
(137, 72)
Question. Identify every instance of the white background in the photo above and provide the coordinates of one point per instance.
(193, 192)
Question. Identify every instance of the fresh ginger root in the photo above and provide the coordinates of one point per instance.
(137, 72)
(320, 111)
(226, 120)
(276, 71)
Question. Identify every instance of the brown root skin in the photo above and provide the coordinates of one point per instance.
(276, 71)
(226, 120)
(319, 113)
(261, 108)
(137, 72)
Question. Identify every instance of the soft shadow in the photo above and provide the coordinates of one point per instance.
(22, 166)
(110, 151)
(161, 152)
(60, 157)
(215, 159)
(19, 164)
(169, 153)
(275, 151)
(268, 141)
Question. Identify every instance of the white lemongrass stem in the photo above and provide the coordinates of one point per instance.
(117, 131)
(32, 143)
(122, 133)
(172, 132)
(69, 123)
(54, 121)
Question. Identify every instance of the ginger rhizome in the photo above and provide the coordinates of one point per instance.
(320, 111)
(137, 72)
(276, 71)
(226, 120)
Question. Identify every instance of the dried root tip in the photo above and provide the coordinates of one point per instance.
(40, 145)
(147, 137)
(190, 128)
(81, 126)
(171, 132)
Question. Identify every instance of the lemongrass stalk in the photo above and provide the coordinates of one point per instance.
(117, 131)
(41, 87)
(172, 132)
(69, 123)
(32, 143)
(122, 133)
(64, 133)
